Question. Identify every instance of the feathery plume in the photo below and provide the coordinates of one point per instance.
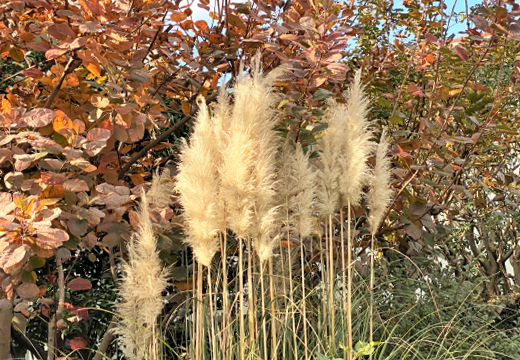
(328, 169)
(249, 161)
(356, 143)
(162, 190)
(144, 278)
(380, 193)
(198, 186)
(297, 188)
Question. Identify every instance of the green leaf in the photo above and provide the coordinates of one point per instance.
(322, 94)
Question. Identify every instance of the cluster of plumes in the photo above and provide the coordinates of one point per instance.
(346, 146)
(227, 172)
(232, 177)
(144, 279)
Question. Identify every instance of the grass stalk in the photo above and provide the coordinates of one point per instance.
(304, 299)
(225, 348)
(199, 331)
(250, 297)
(371, 292)
(343, 275)
(241, 324)
(331, 286)
(349, 284)
(273, 310)
(264, 317)
(212, 316)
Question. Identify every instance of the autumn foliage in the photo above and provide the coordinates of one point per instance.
(95, 95)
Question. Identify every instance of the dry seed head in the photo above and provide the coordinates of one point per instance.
(380, 194)
(297, 189)
(248, 160)
(198, 187)
(328, 167)
(162, 190)
(356, 144)
(144, 279)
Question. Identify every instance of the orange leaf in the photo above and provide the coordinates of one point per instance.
(94, 68)
(6, 106)
(61, 123)
(185, 107)
(184, 285)
(16, 54)
(72, 80)
(216, 38)
(201, 25)
(177, 16)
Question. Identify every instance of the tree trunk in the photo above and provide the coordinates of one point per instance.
(6, 315)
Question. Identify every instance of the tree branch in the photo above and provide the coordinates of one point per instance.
(6, 315)
(51, 336)
(70, 67)
(107, 339)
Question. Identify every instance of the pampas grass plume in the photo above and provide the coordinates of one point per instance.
(380, 194)
(198, 187)
(249, 161)
(144, 278)
(357, 146)
(297, 188)
(328, 169)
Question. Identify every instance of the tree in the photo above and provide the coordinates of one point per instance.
(94, 95)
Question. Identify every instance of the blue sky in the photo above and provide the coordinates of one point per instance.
(460, 7)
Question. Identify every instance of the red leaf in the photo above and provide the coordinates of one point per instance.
(33, 73)
(49, 238)
(55, 53)
(39, 117)
(413, 88)
(480, 22)
(430, 38)
(28, 291)
(461, 52)
(77, 343)
(38, 46)
(79, 284)
(12, 256)
(98, 134)
(75, 185)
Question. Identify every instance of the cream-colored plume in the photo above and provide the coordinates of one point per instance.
(162, 190)
(328, 168)
(297, 189)
(198, 187)
(144, 279)
(249, 161)
(380, 194)
(356, 144)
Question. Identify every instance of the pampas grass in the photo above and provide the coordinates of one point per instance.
(356, 143)
(144, 279)
(197, 184)
(249, 161)
(379, 199)
(297, 189)
(380, 194)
